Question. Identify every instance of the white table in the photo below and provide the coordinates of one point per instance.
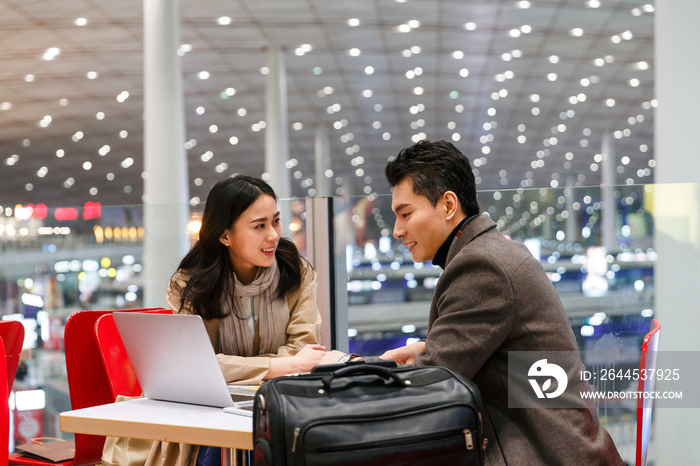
(166, 421)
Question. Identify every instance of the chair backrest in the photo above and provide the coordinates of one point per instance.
(4, 409)
(87, 381)
(120, 374)
(647, 362)
(12, 334)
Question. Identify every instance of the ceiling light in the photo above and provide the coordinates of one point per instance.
(224, 20)
(576, 32)
(585, 82)
(508, 75)
(369, 70)
(641, 65)
(29, 78)
(367, 93)
(634, 82)
(203, 75)
(615, 39)
(80, 22)
(506, 57)
(526, 29)
(458, 54)
(264, 71)
(554, 59)
(610, 102)
(552, 76)
(414, 23)
(523, 4)
(242, 112)
(636, 12)
(233, 140)
(200, 110)
(100, 115)
(535, 111)
(592, 3)
(627, 35)
(404, 28)
(410, 74)
(415, 50)
(5, 106)
(87, 166)
(418, 90)
(464, 72)
(514, 33)
(599, 62)
(354, 52)
(354, 22)
(51, 53)
(470, 26)
(123, 134)
(535, 98)
(378, 107)
(648, 8)
(92, 74)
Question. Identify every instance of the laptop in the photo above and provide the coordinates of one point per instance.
(173, 359)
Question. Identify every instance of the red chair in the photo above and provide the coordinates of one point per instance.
(647, 362)
(120, 374)
(87, 384)
(12, 334)
(4, 409)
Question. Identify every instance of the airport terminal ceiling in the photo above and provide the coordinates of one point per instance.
(524, 88)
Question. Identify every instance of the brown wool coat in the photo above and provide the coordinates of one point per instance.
(494, 297)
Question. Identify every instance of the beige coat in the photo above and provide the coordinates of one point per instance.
(494, 297)
(303, 328)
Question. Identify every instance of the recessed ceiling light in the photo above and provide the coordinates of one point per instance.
(92, 74)
(458, 54)
(354, 52)
(87, 166)
(514, 33)
(404, 28)
(369, 69)
(576, 32)
(470, 26)
(523, 4)
(224, 20)
(367, 93)
(354, 22)
(5, 106)
(554, 59)
(29, 78)
(123, 134)
(464, 72)
(610, 102)
(415, 50)
(552, 76)
(80, 21)
(526, 29)
(414, 23)
(203, 75)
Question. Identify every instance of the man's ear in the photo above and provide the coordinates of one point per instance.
(452, 205)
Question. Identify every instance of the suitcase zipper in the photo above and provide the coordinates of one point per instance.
(300, 431)
(296, 435)
(395, 442)
(468, 438)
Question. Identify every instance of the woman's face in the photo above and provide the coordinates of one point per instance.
(253, 238)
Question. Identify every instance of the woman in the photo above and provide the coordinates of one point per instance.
(255, 293)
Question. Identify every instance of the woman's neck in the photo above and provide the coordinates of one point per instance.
(246, 276)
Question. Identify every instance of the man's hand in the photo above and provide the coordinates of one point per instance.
(406, 354)
(331, 357)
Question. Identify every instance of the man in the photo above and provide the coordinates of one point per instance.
(492, 297)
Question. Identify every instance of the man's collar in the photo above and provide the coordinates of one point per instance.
(441, 255)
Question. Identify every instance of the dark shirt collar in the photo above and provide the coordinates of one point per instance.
(441, 256)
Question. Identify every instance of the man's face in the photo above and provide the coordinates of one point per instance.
(421, 227)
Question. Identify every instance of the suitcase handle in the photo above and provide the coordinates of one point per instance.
(361, 369)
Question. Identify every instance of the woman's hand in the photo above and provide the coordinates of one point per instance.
(308, 357)
(405, 354)
(331, 357)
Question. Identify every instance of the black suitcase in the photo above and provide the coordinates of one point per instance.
(369, 415)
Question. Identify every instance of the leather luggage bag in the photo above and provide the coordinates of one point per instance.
(369, 415)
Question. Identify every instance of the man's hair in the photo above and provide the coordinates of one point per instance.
(435, 168)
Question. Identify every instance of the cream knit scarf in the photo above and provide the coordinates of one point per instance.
(234, 335)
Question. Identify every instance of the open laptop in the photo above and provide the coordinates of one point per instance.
(173, 359)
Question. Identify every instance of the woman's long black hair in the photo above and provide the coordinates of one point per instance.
(208, 262)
